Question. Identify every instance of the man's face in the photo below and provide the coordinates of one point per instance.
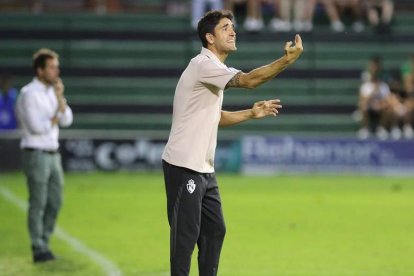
(50, 73)
(225, 36)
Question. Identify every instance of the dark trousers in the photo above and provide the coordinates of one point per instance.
(195, 216)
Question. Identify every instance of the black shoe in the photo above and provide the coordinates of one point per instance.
(43, 257)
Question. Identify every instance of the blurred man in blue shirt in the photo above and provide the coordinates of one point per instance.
(8, 96)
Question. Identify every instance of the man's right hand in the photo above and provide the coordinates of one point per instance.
(59, 91)
(292, 53)
(59, 88)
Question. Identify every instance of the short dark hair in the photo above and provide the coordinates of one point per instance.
(41, 56)
(209, 22)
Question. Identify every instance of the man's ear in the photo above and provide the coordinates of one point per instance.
(210, 38)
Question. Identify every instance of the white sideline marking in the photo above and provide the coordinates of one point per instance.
(110, 268)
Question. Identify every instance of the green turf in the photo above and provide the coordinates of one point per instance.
(280, 225)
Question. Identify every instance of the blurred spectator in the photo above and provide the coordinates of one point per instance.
(199, 7)
(379, 13)
(331, 11)
(407, 96)
(303, 12)
(401, 101)
(375, 68)
(37, 6)
(286, 10)
(98, 6)
(376, 71)
(376, 105)
(103, 6)
(407, 73)
(177, 7)
(356, 9)
(254, 20)
(8, 96)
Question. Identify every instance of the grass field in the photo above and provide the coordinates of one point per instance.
(280, 225)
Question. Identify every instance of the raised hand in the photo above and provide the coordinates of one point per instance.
(265, 108)
(59, 88)
(293, 52)
(59, 91)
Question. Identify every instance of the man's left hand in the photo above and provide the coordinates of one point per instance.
(265, 108)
